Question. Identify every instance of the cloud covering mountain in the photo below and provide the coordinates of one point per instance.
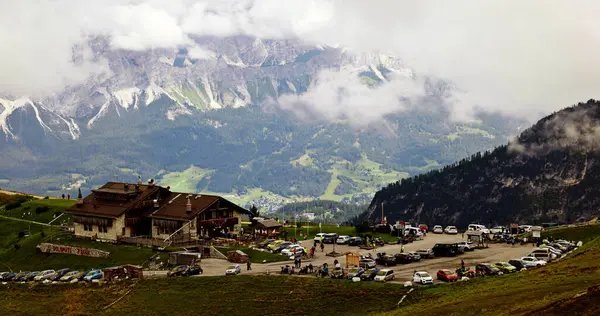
(513, 57)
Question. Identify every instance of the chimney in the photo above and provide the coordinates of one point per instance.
(188, 205)
(169, 188)
(151, 182)
(139, 182)
(79, 199)
(156, 206)
(126, 187)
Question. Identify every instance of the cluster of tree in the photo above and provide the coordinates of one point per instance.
(339, 212)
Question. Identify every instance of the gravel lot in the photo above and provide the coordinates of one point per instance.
(495, 253)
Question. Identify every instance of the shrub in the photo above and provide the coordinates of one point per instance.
(21, 235)
(46, 197)
(41, 209)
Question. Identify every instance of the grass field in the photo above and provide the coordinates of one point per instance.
(327, 228)
(239, 295)
(583, 233)
(39, 210)
(186, 180)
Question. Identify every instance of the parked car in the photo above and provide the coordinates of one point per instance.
(60, 273)
(43, 275)
(93, 275)
(426, 253)
(290, 250)
(542, 254)
(422, 277)
(451, 230)
(330, 238)
(195, 270)
(446, 250)
(178, 270)
(385, 260)
(355, 272)
(337, 273)
(2, 275)
(367, 263)
(341, 240)
(21, 275)
(8, 277)
(437, 229)
(466, 246)
(415, 256)
(487, 269)
(403, 258)
(263, 244)
(520, 264)
(497, 230)
(505, 267)
(72, 275)
(31, 276)
(478, 227)
(355, 241)
(447, 275)
(233, 270)
(384, 275)
(319, 237)
(534, 260)
(369, 275)
(281, 246)
(274, 245)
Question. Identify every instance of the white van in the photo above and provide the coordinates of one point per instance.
(477, 227)
(542, 254)
(412, 231)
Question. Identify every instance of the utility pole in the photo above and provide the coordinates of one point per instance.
(382, 212)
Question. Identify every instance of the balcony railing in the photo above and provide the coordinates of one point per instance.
(219, 222)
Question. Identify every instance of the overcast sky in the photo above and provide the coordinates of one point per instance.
(516, 57)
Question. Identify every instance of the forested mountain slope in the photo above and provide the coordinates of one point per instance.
(549, 173)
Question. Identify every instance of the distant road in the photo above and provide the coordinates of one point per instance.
(24, 220)
(15, 193)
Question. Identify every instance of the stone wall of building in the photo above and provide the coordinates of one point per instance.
(112, 232)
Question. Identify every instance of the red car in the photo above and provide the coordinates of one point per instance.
(447, 275)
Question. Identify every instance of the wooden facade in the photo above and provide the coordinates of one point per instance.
(124, 211)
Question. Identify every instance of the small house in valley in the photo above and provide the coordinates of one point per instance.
(120, 211)
(266, 228)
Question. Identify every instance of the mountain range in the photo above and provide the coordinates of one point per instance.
(549, 173)
(213, 125)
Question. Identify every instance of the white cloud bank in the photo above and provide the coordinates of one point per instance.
(514, 57)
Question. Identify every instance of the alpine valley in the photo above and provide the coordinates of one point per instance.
(213, 125)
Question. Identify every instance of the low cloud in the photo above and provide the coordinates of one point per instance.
(341, 95)
(574, 129)
(512, 57)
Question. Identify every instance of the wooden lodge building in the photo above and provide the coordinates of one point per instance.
(125, 212)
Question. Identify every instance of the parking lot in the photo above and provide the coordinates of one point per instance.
(495, 253)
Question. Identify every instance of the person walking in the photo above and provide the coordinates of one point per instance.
(322, 247)
(248, 265)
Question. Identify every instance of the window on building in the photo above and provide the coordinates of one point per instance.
(87, 227)
(103, 229)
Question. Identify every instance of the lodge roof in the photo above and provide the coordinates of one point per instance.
(267, 223)
(172, 205)
(93, 206)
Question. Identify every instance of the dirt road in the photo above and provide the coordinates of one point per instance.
(495, 253)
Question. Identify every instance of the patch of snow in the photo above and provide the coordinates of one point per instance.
(73, 128)
(127, 97)
(378, 73)
(101, 113)
(234, 63)
(291, 86)
(153, 92)
(9, 108)
(213, 104)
